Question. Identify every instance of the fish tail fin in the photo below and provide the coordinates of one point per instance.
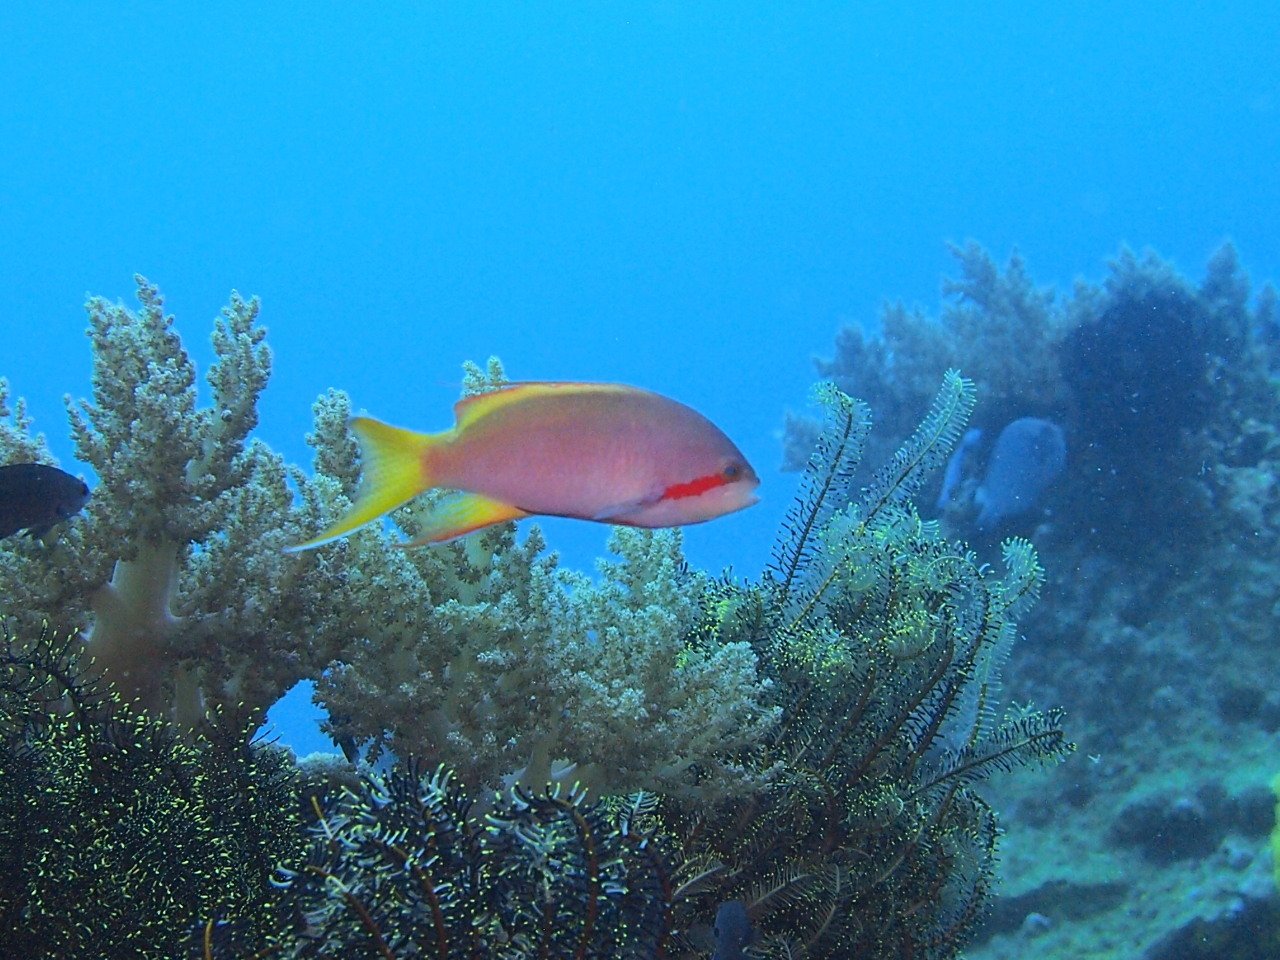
(393, 462)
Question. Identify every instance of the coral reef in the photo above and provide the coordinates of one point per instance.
(481, 654)
(883, 642)
(807, 745)
(1158, 621)
(996, 326)
(167, 572)
(1108, 364)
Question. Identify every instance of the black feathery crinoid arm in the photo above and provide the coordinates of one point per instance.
(1019, 741)
(44, 676)
(118, 835)
(577, 879)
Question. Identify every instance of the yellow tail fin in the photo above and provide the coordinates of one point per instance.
(392, 461)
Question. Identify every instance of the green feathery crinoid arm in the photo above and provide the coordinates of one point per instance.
(1031, 738)
(820, 545)
(1024, 576)
(901, 478)
(825, 485)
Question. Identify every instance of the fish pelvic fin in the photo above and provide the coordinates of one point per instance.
(461, 514)
(393, 462)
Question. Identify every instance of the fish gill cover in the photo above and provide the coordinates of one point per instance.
(806, 744)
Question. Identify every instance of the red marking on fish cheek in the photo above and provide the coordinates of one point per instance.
(694, 488)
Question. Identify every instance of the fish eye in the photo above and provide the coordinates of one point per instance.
(732, 471)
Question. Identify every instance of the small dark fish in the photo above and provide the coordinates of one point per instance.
(35, 496)
(733, 931)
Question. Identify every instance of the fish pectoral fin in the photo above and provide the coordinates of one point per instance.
(618, 512)
(461, 514)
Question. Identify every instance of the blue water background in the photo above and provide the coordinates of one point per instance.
(688, 197)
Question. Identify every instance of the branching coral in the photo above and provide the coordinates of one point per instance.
(481, 653)
(618, 653)
(16, 443)
(515, 663)
(1164, 389)
(167, 571)
(995, 325)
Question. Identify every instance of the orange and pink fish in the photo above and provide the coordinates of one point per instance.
(592, 451)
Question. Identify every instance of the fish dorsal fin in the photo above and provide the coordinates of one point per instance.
(470, 409)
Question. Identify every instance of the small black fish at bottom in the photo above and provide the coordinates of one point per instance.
(35, 496)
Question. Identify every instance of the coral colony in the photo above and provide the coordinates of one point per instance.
(1160, 533)
(654, 762)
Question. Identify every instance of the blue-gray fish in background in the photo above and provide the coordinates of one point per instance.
(733, 931)
(1027, 457)
(958, 467)
(35, 496)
